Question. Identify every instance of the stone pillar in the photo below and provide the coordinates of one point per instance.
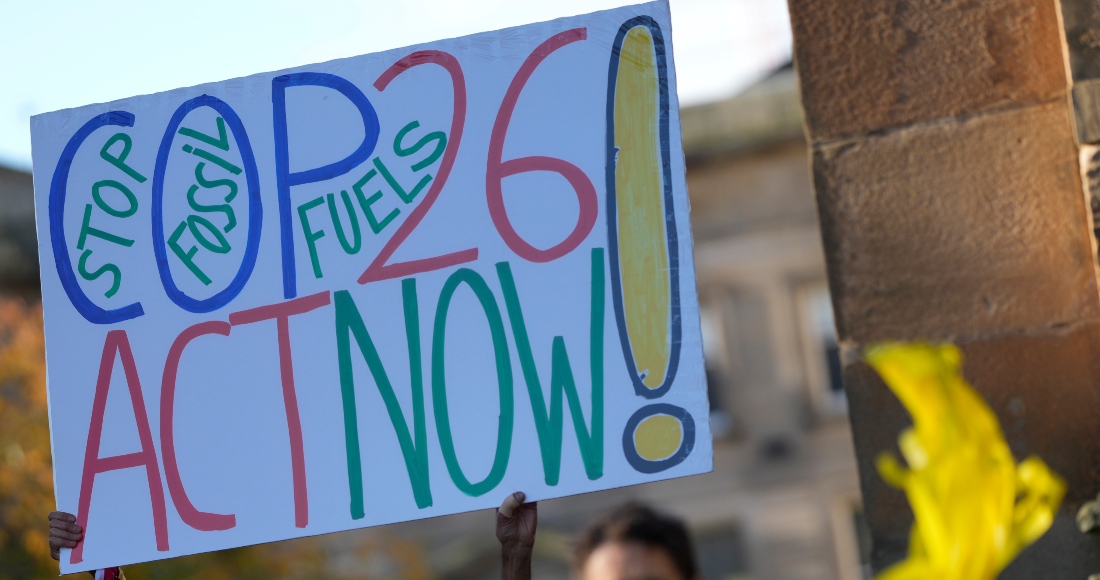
(952, 209)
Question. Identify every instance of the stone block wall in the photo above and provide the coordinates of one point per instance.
(950, 195)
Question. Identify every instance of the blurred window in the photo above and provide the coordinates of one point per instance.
(824, 376)
(721, 552)
(714, 349)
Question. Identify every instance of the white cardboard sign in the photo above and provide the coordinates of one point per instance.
(382, 288)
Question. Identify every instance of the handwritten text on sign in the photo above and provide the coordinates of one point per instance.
(371, 290)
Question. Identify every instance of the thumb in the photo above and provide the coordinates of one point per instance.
(511, 503)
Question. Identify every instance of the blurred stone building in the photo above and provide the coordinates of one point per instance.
(18, 244)
(783, 500)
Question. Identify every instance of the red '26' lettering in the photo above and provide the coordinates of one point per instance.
(496, 170)
(378, 269)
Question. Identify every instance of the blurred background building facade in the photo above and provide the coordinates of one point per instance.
(783, 501)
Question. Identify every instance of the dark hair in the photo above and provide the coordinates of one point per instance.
(634, 522)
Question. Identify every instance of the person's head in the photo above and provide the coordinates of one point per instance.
(633, 542)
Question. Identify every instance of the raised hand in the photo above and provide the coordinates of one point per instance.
(64, 533)
(516, 524)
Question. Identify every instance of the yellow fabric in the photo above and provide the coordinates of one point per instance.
(975, 508)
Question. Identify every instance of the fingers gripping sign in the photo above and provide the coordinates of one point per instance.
(64, 533)
(516, 524)
(516, 521)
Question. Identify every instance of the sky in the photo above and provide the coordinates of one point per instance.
(60, 54)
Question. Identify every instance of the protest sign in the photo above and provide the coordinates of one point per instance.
(376, 289)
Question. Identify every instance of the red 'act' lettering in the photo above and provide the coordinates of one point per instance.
(199, 520)
(281, 313)
(94, 464)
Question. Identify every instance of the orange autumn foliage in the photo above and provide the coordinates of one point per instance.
(26, 477)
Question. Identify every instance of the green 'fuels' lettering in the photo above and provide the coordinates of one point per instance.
(504, 380)
(312, 236)
(439, 137)
(406, 197)
(549, 425)
(349, 247)
(413, 447)
(375, 225)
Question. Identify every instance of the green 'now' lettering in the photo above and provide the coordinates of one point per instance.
(549, 424)
(414, 447)
(504, 381)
